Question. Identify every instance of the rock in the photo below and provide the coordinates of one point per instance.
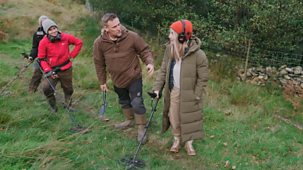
(287, 77)
(227, 164)
(289, 70)
(298, 70)
(282, 67)
(260, 69)
(283, 81)
(283, 72)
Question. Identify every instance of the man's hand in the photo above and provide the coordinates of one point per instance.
(103, 87)
(150, 69)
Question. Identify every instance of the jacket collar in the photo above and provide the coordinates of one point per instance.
(195, 45)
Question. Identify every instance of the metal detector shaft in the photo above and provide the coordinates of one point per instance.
(53, 88)
(146, 127)
(72, 117)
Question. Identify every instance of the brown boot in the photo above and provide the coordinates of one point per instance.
(176, 145)
(189, 148)
(141, 122)
(129, 122)
(52, 104)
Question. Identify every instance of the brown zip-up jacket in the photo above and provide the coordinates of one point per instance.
(120, 58)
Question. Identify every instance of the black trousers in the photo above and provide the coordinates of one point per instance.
(131, 96)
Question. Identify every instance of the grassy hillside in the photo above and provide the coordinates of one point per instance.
(242, 122)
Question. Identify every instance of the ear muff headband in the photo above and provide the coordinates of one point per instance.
(182, 37)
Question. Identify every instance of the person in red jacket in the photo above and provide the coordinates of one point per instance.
(56, 62)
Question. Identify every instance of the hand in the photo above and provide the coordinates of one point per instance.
(30, 59)
(71, 58)
(103, 87)
(51, 74)
(157, 93)
(150, 69)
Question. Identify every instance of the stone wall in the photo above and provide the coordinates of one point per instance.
(290, 78)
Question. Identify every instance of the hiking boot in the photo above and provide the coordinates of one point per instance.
(32, 90)
(176, 145)
(189, 148)
(53, 109)
(141, 122)
(52, 104)
(129, 122)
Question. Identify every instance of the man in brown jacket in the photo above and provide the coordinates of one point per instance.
(117, 51)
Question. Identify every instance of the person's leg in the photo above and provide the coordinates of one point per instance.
(189, 148)
(66, 80)
(36, 78)
(124, 101)
(48, 85)
(135, 90)
(174, 118)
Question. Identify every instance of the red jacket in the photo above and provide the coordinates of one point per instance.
(53, 54)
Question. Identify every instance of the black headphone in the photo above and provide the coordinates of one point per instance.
(182, 36)
(54, 38)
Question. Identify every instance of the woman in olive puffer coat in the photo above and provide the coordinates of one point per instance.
(183, 77)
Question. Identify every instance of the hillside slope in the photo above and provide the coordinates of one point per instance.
(19, 19)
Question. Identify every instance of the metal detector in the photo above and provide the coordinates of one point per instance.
(103, 108)
(131, 162)
(76, 126)
(18, 74)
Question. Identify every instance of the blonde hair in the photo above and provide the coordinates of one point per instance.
(176, 48)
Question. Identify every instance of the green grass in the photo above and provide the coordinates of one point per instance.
(239, 125)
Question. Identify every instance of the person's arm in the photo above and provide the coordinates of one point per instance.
(77, 43)
(99, 62)
(202, 74)
(143, 50)
(42, 56)
(161, 77)
(145, 53)
(35, 45)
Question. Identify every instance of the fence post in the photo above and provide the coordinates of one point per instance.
(246, 60)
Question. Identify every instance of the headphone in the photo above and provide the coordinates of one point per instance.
(54, 38)
(182, 37)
